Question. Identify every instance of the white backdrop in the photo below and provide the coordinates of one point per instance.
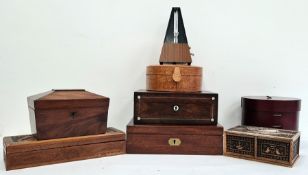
(246, 47)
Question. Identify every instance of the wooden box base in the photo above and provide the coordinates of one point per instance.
(174, 139)
(26, 151)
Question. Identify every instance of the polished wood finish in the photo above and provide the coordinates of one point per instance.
(59, 99)
(67, 113)
(275, 112)
(26, 151)
(174, 139)
(175, 53)
(262, 144)
(153, 107)
(175, 78)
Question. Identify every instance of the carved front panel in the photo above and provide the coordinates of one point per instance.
(273, 149)
(240, 145)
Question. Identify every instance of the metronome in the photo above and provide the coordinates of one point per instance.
(175, 73)
(175, 48)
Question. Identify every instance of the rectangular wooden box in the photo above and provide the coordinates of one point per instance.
(270, 145)
(26, 151)
(152, 107)
(67, 113)
(174, 139)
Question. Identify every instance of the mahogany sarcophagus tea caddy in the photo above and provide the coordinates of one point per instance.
(26, 151)
(267, 111)
(174, 139)
(270, 145)
(153, 107)
(67, 113)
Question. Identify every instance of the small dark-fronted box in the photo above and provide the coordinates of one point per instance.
(270, 145)
(67, 113)
(26, 151)
(174, 139)
(153, 107)
(273, 112)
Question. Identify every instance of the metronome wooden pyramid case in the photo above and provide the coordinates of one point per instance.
(175, 48)
(175, 72)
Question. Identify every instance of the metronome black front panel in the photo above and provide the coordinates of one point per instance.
(181, 38)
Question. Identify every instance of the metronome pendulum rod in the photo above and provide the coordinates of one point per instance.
(175, 27)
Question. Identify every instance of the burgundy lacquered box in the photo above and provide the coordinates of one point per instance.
(269, 111)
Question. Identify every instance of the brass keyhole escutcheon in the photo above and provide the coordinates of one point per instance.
(174, 142)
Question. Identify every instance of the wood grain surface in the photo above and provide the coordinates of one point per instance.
(161, 78)
(67, 113)
(155, 139)
(152, 107)
(175, 53)
(26, 151)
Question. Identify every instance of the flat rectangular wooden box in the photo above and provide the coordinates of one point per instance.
(195, 108)
(269, 145)
(26, 151)
(67, 113)
(174, 139)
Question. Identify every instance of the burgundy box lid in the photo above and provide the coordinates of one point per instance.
(271, 103)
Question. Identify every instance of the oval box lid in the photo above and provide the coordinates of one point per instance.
(271, 103)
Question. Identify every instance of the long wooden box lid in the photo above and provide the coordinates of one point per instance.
(55, 99)
(25, 143)
(271, 103)
(171, 129)
(280, 134)
(176, 93)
